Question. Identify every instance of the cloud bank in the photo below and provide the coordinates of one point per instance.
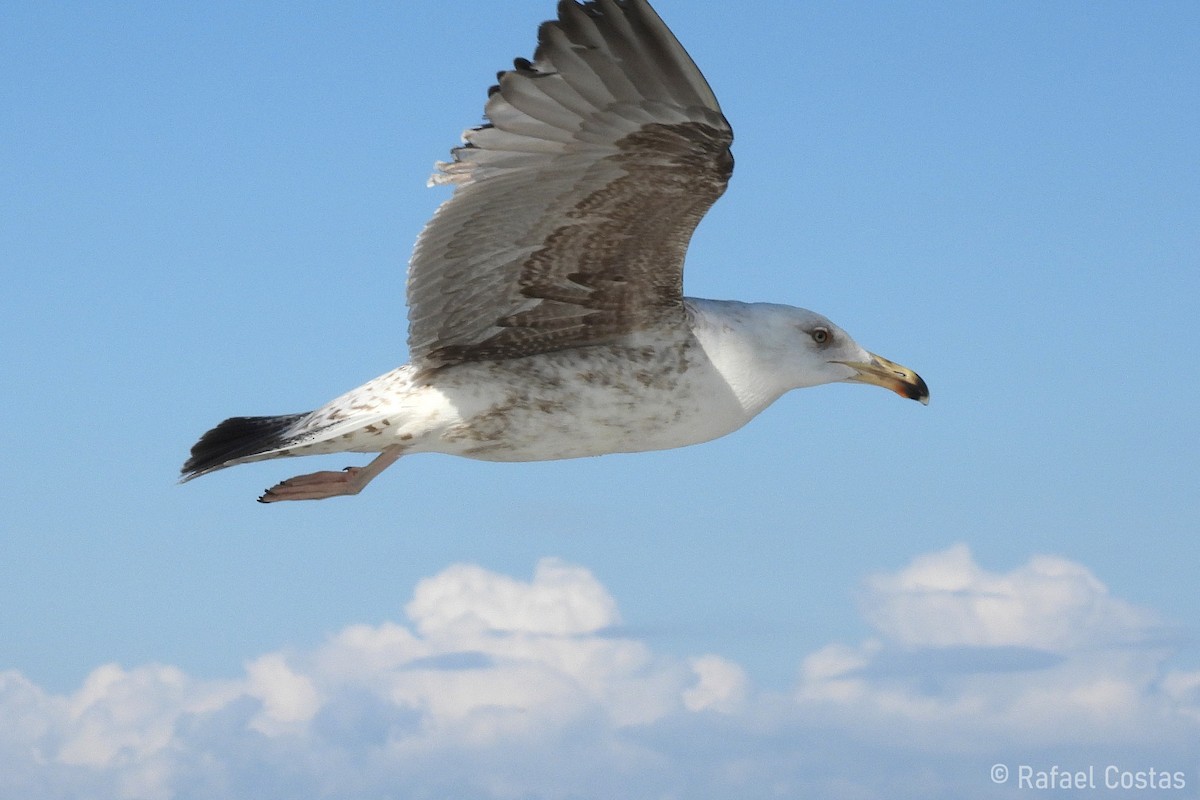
(1041, 656)
(501, 688)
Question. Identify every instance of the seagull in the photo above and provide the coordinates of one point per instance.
(546, 311)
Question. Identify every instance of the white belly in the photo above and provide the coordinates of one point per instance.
(584, 403)
(649, 394)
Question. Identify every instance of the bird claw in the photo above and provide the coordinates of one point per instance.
(314, 486)
(319, 485)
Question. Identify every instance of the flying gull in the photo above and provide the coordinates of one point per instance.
(546, 310)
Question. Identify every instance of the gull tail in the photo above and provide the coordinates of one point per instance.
(238, 440)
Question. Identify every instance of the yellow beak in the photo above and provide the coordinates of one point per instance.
(890, 375)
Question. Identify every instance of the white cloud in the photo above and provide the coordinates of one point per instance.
(1040, 655)
(721, 686)
(946, 599)
(501, 688)
(289, 700)
(562, 600)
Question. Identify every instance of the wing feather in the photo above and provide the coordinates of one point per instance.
(574, 205)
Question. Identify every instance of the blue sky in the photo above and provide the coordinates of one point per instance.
(206, 211)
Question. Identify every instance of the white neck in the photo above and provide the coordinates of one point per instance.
(731, 334)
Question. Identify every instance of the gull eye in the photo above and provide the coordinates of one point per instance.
(821, 335)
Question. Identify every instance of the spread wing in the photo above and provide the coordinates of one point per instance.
(575, 203)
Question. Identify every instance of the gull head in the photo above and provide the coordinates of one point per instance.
(807, 349)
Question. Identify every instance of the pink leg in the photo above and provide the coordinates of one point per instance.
(319, 485)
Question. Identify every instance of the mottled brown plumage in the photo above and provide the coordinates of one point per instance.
(616, 264)
(599, 160)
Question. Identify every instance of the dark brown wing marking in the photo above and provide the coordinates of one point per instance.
(623, 242)
(575, 204)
